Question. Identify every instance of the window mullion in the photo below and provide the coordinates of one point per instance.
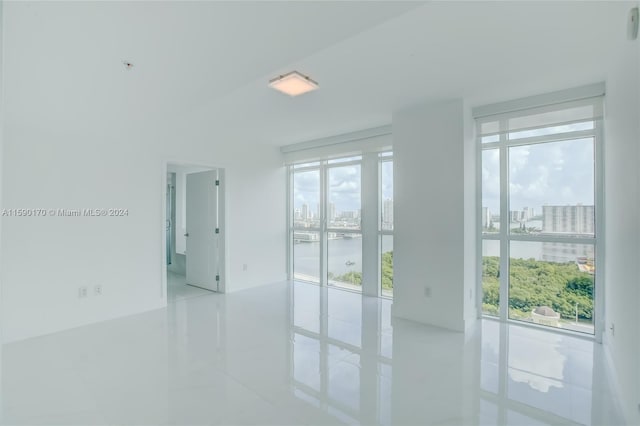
(324, 202)
(504, 223)
(369, 224)
(290, 224)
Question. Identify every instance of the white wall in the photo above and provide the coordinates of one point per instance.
(637, 350)
(47, 259)
(470, 162)
(622, 187)
(1, 132)
(92, 155)
(430, 240)
(1, 160)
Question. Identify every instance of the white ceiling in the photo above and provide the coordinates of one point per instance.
(212, 60)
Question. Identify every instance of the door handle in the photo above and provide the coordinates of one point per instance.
(186, 235)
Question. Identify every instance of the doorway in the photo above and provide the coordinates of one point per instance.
(193, 236)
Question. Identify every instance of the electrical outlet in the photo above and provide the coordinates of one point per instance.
(97, 290)
(427, 291)
(245, 267)
(82, 292)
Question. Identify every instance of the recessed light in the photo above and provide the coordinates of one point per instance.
(293, 83)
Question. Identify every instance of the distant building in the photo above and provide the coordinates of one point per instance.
(523, 215)
(387, 211)
(486, 217)
(332, 211)
(516, 216)
(578, 219)
(306, 213)
(575, 220)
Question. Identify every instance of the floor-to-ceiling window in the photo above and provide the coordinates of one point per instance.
(341, 217)
(327, 233)
(540, 203)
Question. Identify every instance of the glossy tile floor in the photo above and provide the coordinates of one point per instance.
(299, 354)
(177, 288)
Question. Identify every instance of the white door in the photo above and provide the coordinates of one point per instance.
(202, 239)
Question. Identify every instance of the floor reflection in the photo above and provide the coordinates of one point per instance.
(553, 378)
(353, 361)
(341, 352)
(301, 354)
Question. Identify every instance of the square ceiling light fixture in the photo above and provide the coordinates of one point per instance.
(293, 84)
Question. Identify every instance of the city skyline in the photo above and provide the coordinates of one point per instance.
(552, 173)
(344, 189)
(576, 219)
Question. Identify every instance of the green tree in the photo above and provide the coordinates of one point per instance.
(387, 270)
(490, 284)
(351, 277)
(581, 285)
(534, 283)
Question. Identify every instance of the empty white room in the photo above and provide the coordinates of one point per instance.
(319, 213)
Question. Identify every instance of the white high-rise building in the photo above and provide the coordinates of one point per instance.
(332, 211)
(516, 216)
(306, 213)
(387, 211)
(486, 217)
(576, 219)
